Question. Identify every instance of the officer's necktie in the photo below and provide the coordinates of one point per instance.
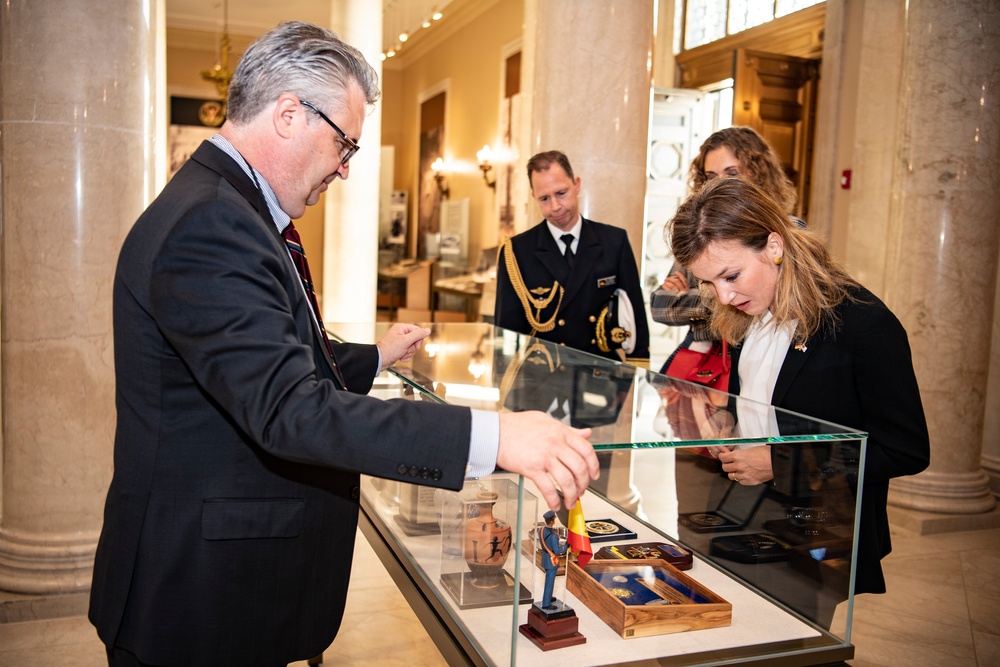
(567, 239)
(298, 254)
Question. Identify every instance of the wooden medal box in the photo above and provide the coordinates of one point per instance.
(644, 598)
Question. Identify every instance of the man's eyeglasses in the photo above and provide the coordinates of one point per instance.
(351, 148)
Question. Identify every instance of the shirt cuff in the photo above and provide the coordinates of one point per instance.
(484, 443)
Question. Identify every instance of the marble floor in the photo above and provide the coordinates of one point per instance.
(943, 609)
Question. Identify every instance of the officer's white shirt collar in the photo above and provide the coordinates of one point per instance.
(557, 234)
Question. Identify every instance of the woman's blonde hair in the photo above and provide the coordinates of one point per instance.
(810, 283)
(759, 164)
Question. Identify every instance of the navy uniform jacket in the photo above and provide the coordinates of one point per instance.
(604, 262)
(860, 375)
(229, 525)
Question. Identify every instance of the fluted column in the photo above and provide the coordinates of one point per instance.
(76, 143)
(352, 208)
(944, 238)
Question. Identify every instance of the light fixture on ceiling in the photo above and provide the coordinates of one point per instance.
(220, 74)
(399, 16)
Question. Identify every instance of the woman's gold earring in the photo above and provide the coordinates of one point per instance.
(779, 259)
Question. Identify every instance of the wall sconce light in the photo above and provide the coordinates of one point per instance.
(438, 168)
(485, 157)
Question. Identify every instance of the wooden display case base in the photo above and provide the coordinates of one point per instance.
(550, 630)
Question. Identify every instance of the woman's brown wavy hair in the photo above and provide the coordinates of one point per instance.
(810, 283)
(759, 164)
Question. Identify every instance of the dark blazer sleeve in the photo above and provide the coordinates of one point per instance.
(224, 298)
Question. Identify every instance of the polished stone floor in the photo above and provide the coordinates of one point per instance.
(942, 609)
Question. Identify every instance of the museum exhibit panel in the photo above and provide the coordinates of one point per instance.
(684, 566)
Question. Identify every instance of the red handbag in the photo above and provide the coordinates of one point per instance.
(708, 368)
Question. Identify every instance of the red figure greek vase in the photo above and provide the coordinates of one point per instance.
(487, 542)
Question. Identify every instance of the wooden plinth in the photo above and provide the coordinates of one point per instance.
(552, 630)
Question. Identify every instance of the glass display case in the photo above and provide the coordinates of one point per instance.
(702, 570)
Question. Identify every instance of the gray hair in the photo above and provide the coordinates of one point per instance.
(303, 59)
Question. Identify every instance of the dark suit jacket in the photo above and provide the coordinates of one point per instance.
(603, 252)
(861, 376)
(229, 525)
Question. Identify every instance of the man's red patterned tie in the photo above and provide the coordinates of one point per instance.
(298, 253)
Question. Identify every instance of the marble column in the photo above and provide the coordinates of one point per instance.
(76, 143)
(588, 95)
(352, 207)
(943, 238)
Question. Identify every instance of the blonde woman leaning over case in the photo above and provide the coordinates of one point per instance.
(807, 338)
(734, 151)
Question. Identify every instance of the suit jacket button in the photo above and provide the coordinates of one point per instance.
(413, 471)
(435, 474)
(401, 468)
(424, 473)
(355, 492)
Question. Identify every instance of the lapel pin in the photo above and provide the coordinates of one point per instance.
(801, 347)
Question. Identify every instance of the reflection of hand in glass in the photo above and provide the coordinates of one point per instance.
(695, 413)
(749, 466)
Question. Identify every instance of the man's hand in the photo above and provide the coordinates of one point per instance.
(548, 453)
(401, 342)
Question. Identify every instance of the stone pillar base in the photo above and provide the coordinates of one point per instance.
(41, 563)
(943, 492)
(931, 523)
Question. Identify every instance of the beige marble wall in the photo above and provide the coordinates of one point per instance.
(942, 237)
(76, 133)
(590, 99)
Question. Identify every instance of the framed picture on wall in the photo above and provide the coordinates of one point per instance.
(429, 200)
(192, 120)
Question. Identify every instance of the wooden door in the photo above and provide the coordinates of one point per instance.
(776, 95)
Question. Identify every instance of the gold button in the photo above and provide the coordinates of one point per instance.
(593, 342)
(593, 319)
(562, 323)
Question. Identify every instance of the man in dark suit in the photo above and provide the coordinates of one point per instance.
(230, 522)
(568, 279)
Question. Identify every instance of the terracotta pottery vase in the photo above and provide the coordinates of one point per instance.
(487, 542)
